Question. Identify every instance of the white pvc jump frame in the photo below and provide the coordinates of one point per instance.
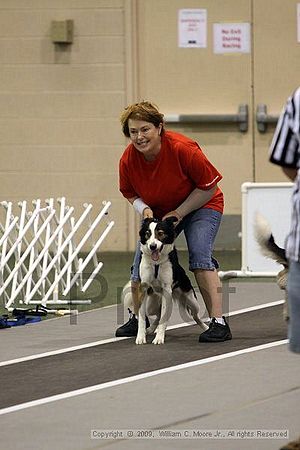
(244, 272)
(34, 245)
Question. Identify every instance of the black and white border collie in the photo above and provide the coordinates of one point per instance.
(269, 248)
(162, 281)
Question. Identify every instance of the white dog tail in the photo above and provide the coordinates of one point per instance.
(266, 242)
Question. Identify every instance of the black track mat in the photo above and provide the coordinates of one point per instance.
(36, 379)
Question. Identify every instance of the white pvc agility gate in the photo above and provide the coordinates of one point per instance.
(40, 250)
(273, 201)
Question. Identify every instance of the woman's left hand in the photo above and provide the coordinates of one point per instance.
(173, 214)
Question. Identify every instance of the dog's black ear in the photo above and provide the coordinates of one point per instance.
(147, 220)
(144, 228)
(171, 219)
(145, 225)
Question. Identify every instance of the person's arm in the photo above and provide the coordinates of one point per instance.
(291, 173)
(284, 149)
(195, 200)
(144, 210)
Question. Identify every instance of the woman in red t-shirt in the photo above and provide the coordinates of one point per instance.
(163, 174)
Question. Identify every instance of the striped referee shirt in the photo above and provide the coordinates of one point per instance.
(285, 152)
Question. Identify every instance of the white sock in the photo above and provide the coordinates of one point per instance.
(220, 320)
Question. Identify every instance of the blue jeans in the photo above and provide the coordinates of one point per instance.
(200, 228)
(293, 290)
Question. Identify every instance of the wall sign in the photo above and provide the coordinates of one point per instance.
(192, 28)
(232, 38)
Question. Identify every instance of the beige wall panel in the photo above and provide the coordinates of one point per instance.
(68, 184)
(37, 22)
(276, 71)
(78, 78)
(59, 4)
(92, 50)
(96, 50)
(54, 159)
(191, 80)
(60, 132)
(61, 105)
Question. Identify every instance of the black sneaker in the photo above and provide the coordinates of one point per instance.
(130, 328)
(216, 332)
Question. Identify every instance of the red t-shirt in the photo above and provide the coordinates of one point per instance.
(163, 184)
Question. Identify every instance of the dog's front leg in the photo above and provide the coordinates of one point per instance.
(141, 335)
(166, 311)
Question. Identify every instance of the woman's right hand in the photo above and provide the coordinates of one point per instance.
(147, 213)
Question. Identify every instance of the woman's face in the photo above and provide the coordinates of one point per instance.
(145, 137)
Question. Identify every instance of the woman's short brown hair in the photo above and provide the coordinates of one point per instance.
(146, 111)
